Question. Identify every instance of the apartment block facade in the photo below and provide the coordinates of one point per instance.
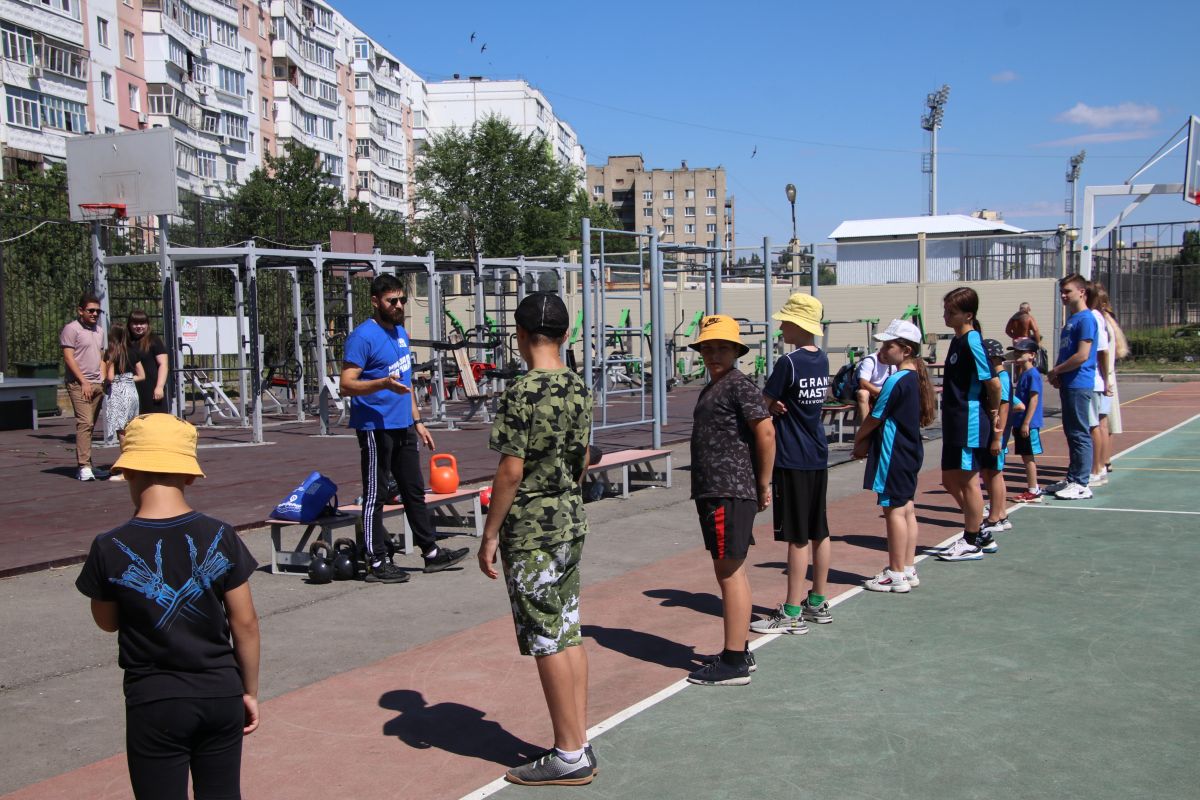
(237, 79)
(686, 206)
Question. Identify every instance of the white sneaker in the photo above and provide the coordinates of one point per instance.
(1099, 479)
(910, 574)
(960, 550)
(888, 581)
(1074, 492)
(999, 526)
(85, 474)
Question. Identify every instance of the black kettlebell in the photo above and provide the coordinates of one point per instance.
(320, 569)
(345, 560)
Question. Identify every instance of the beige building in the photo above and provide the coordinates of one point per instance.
(686, 206)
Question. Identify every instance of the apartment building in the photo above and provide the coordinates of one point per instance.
(461, 102)
(686, 206)
(237, 79)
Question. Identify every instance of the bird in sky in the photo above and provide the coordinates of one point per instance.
(752, 155)
(483, 48)
(472, 36)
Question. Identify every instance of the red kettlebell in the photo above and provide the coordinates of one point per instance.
(443, 479)
(485, 496)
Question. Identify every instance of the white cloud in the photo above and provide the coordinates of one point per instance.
(1005, 76)
(1123, 114)
(1098, 138)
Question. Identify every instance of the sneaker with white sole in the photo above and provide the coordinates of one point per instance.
(988, 545)
(552, 769)
(1029, 497)
(751, 662)
(888, 581)
(1099, 479)
(819, 615)
(999, 526)
(718, 673)
(779, 622)
(1057, 486)
(910, 574)
(961, 550)
(1074, 491)
(85, 474)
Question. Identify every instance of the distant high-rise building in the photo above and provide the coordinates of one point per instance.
(685, 205)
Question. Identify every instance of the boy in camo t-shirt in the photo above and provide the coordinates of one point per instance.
(537, 524)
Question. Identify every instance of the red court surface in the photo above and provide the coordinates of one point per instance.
(445, 718)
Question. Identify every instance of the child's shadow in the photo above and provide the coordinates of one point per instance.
(643, 646)
(703, 602)
(452, 727)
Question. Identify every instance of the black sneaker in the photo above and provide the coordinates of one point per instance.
(386, 572)
(445, 558)
(718, 673)
(751, 663)
(550, 769)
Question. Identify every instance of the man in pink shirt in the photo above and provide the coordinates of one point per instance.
(82, 342)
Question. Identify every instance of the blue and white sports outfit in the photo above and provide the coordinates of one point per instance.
(966, 428)
(986, 459)
(896, 452)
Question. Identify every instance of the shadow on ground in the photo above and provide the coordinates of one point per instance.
(452, 727)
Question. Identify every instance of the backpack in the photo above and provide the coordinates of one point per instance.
(315, 497)
(845, 382)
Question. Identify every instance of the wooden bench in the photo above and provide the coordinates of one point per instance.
(442, 512)
(634, 464)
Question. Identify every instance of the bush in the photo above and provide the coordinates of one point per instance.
(1161, 343)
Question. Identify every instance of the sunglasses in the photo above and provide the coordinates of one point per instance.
(392, 301)
(92, 311)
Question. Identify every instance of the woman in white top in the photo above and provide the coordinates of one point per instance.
(1109, 331)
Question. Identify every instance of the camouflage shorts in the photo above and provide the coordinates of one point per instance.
(543, 589)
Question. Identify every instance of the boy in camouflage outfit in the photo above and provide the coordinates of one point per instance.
(537, 525)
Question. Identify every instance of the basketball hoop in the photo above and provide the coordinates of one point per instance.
(99, 212)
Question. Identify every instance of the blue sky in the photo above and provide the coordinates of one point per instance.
(831, 94)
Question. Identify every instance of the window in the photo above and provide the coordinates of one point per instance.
(325, 128)
(710, 227)
(648, 194)
(231, 171)
(710, 193)
(669, 211)
(177, 54)
(689, 228)
(135, 98)
(598, 189)
(362, 48)
(418, 119)
(106, 86)
(201, 73)
(231, 81)
(206, 164)
(329, 92)
(647, 212)
(250, 142)
(668, 228)
(22, 107)
(266, 109)
(668, 194)
(689, 193)
(128, 44)
(332, 164)
(308, 86)
(225, 33)
(262, 67)
(689, 211)
(102, 31)
(197, 24)
(18, 44)
(233, 125)
(67, 7)
(210, 122)
(245, 16)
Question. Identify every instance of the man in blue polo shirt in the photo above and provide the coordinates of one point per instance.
(1074, 376)
(377, 377)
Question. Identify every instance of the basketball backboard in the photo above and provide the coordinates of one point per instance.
(135, 168)
(1191, 180)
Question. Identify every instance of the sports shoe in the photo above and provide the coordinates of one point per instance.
(551, 769)
(718, 673)
(987, 508)
(989, 545)
(1029, 497)
(1057, 486)
(1099, 479)
(751, 662)
(910, 574)
(1074, 491)
(999, 526)
(819, 615)
(85, 474)
(445, 558)
(386, 572)
(960, 550)
(888, 581)
(779, 622)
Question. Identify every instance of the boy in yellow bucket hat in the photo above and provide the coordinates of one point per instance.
(795, 392)
(174, 584)
(733, 449)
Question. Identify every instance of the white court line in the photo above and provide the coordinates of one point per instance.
(1118, 510)
(621, 716)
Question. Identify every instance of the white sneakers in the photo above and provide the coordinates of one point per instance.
(1098, 479)
(85, 474)
(1073, 491)
(888, 581)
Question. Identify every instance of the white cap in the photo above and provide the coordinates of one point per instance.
(900, 329)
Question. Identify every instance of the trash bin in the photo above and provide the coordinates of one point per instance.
(47, 396)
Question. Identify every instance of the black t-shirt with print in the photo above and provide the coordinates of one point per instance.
(168, 578)
(722, 439)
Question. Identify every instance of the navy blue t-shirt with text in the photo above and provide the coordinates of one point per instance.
(964, 421)
(801, 380)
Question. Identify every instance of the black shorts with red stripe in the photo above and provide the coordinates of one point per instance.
(727, 524)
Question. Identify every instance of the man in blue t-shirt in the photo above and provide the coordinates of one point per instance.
(1074, 375)
(377, 377)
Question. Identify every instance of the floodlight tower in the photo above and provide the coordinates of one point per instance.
(1072, 180)
(935, 102)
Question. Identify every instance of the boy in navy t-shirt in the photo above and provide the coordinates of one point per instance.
(1025, 420)
(1074, 375)
(992, 462)
(173, 584)
(794, 395)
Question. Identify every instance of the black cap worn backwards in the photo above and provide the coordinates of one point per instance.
(544, 313)
(993, 349)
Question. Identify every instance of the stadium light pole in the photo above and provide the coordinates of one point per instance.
(936, 103)
(793, 245)
(1073, 180)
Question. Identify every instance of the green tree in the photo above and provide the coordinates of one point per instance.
(1190, 252)
(490, 190)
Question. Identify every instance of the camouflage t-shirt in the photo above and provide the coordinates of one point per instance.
(722, 439)
(545, 418)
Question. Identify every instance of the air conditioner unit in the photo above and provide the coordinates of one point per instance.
(223, 139)
(202, 90)
(35, 71)
(143, 119)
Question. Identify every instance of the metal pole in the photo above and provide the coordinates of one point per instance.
(239, 304)
(322, 361)
(298, 316)
(716, 281)
(768, 350)
(585, 287)
(814, 278)
(437, 333)
(658, 354)
(933, 172)
(255, 353)
(1086, 233)
(171, 323)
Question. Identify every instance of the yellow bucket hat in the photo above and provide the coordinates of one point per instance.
(803, 310)
(160, 443)
(722, 328)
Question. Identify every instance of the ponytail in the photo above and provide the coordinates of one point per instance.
(924, 385)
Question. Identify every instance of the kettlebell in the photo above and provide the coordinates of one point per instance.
(443, 479)
(320, 570)
(485, 497)
(345, 560)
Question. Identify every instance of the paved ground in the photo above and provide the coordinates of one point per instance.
(419, 684)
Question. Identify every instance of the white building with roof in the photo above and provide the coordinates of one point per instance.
(874, 251)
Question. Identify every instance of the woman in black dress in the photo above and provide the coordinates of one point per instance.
(151, 352)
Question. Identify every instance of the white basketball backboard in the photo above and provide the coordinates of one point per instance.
(1191, 180)
(136, 168)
